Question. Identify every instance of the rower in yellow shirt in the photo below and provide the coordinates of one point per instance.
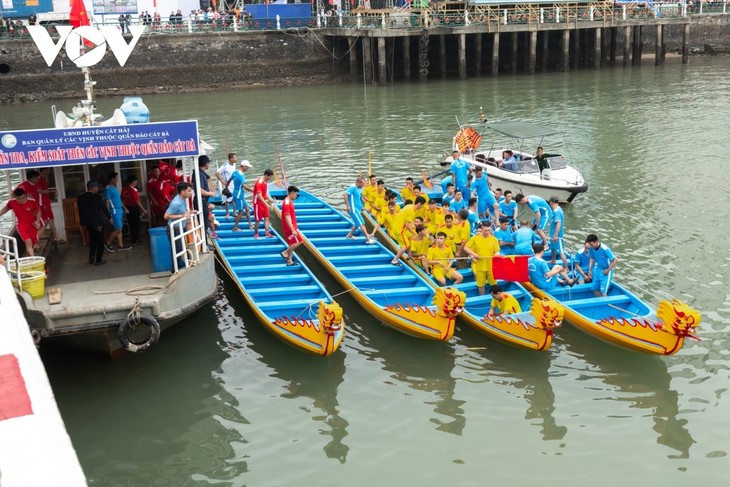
(434, 217)
(452, 232)
(481, 248)
(502, 303)
(407, 192)
(441, 259)
(418, 250)
(368, 192)
(404, 229)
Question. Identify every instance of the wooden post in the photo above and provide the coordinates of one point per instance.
(565, 51)
(382, 66)
(406, 58)
(495, 54)
(685, 44)
(532, 62)
(462, 56)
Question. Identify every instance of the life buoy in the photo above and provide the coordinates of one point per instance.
(142, 320)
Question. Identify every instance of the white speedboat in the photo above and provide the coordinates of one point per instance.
(559, 179)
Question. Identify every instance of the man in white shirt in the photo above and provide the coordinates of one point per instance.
(223, 174)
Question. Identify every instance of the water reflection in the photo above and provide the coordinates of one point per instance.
(423, 365)
(525, 370)
(641, 381)
(163, 409)
(316, 378)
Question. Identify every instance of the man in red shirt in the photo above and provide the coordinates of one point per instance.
(130, 199)
(45, 204)
(27, 216)
(261, 203)
(289, 224)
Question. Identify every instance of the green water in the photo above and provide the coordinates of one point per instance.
(221, 402)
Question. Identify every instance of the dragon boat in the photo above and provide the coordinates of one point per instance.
(623, 319)
(531, 329)
(396, 295)
(287, 299)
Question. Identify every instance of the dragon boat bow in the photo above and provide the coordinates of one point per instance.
(623, 319)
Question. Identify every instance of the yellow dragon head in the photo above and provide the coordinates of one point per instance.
(449, 301)
(678, 318)
(547, 312)
(330, 316)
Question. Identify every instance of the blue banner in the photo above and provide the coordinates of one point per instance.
(24, 149)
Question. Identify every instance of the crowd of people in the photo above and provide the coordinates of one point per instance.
(473, 224)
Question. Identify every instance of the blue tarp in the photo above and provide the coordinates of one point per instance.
(25, 149)
(289, 10)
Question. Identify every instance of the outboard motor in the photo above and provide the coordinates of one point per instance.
(135, 110)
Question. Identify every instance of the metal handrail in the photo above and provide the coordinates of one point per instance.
(9, 250)
(189, 253)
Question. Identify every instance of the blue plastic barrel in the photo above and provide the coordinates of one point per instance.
(135, 110)
(160, 249)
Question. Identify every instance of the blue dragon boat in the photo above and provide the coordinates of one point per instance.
(396, 295)
(287, 299)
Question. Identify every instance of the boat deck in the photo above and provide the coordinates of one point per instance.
(98, 294)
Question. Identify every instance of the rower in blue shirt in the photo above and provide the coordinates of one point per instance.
(508, 208)
(581, 265)
(557, 230)
(605, 261)
(542, 211)
(506, 238)
(524, 238)
(542, 275)
(459, 170)
(487, 206)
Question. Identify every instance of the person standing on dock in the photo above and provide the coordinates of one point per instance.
(261, 203)
(292, 236)
(177, 210)
(205, 192)
(117, 210)
(27, 216)
(354, 206)
(603, 260)
(130, 199)
(223, 174)
(94, 216)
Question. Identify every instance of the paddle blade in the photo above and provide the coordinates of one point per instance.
(277, 181)
(426, 180)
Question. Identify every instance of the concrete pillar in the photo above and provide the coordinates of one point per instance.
(658, 45)
(513, 58)
(406, 58)
(532, 59)
(565, 51)
(495, 54)
(664, 46)
(638, 46)
(614, 36)
(351, 41)
(577, 51)
(628, 34)
(478, 48)
(685, 44)
(545, 50)
(442, 55)
(597, 49)
(462, 56)
(382, 67)
(367, 56)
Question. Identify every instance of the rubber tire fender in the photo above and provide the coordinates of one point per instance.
(124, 329)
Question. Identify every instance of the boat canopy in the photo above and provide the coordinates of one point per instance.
(523, 130)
